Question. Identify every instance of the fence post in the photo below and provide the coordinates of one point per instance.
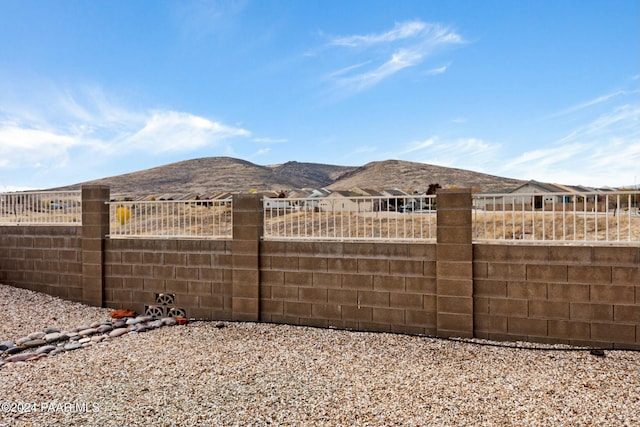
(245, 249)
(95, 227)
(454, 264)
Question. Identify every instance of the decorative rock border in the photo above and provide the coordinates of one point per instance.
(52, 341)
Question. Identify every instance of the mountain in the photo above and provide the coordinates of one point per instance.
(211, 175)
(418, 176)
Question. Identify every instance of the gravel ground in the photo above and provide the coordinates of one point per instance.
(260, 374)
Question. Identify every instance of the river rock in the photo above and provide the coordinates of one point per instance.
(84, 340)
(50, 330)
(22, 340)
(169, 321)
(34, 343)
(5, 345)
(36, 335)
(104, 328)
(87, 332)
(118, 332)
(13, 350)
(118, 323)
(72, 346)
(20, 357)
(46, 349)
(53, 337)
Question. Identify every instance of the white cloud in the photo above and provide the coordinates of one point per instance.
(78, 130)
(270, 140)
(400, 31)
(465, 153)
(602, 152)
(171, 131)
(436, 71)
(406, 45)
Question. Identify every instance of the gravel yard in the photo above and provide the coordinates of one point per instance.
(212, 373)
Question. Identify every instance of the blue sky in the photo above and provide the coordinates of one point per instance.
(546, 90)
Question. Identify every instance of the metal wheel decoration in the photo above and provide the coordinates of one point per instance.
(177, 312)
(154, 311)
(165, 299)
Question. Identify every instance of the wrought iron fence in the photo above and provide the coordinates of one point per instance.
(41, 208)
(339, 217)
(209, 219)
(567, 217)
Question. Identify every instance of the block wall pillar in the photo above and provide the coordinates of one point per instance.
(95, 227)
(247, 232)
(454, 264)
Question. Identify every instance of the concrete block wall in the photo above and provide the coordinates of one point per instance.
(363, 286)
(196, 272)
(43, 258)
(580, 295)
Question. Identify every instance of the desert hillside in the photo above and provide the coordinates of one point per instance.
(212, 175)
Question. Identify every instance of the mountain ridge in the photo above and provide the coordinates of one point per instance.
(211, 175)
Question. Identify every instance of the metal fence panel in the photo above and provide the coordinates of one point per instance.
(566, 217)
(351, 218)
(200, 219)
(41, 208)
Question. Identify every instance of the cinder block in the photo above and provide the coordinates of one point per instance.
(480, 305)
(271, 307)
(527, 326)
(245, 309)
(568, 292)
(627, 313)
(272, 277)
(314, 264)
(373, 298)
(455, 287)
(508, 307)
(569, 329)
(342, 296)
(454, 269)
(422, 318)
(248, 262)
(142, 271)
(315, 295)
(490, 288)
(527, 254)
(406, 267)
(591, 311)
(388, 283)
(489, 323)
(459, 305)
(326, 311)
(549, 309)
(301, 278)
(357, 281)
(547, 273)
(183, 273)
(201, 260)
(571, 254)
(509, 272)
(295, 308)
(245, 290)
(350, 312)
(615, 255)
(284, 263)
(613, 332)
(171, 258)
(527, 290)
(625, 276)
(200, 288)
(390, 316)
(373, 266)
(404, 300)
(425, 285)
(451, 324)
(327, 280)
(156, 258)
(166, 272)
(284, 292)
(612, 294)
(589, 274)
